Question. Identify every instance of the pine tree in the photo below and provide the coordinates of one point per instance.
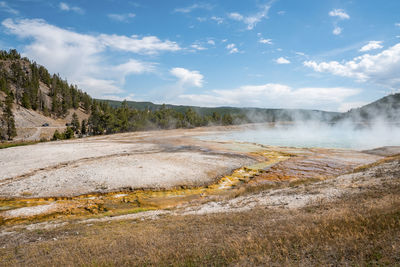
(68, 133)
(56, 136)
(26, 102)
(227, 119)
(75, 123)
(9, 118)
(83, 127)
(3, 85)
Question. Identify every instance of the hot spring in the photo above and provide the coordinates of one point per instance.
(315, 135)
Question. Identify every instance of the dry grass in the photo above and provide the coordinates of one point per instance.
(357, 230)
(4, 145)
(376, 163)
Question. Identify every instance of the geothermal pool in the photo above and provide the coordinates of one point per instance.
(315, 135)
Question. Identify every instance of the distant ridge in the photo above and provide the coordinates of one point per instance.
(248, 114)
(385, 109)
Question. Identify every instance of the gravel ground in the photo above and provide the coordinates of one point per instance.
(161, 159)
(116, 173)
(381, 176)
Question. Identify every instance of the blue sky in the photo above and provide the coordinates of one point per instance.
(330, 55)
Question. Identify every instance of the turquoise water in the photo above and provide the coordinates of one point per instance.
(315, 136)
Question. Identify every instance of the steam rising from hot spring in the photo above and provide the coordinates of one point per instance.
(317, 134)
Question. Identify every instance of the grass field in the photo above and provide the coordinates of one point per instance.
(361, 230)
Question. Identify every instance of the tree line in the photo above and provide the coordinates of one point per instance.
(104, 119)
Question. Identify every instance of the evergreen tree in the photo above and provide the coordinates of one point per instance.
(83, 127)
(216, 117)
(68, 133)
(75, 123)
(227, 119)
(9, 118)
(57, 136)
(26, 102)
(3, 85)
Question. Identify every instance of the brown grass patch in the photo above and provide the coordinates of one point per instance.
(356, 230)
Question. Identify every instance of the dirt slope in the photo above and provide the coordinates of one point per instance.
(29, 123)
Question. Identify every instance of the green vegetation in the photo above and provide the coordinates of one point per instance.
(239, 115)
(9, 119)
(107, 120)
(14, 144)
(67, 134)
(75, 123)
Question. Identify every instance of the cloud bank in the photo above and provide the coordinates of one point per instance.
(381, 69)
(80, 57)
(273, 95)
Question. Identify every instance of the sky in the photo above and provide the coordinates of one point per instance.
(331, 55)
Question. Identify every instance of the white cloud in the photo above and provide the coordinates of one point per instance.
(211, 42)
(98, 87)
(145, 45)
(251, 20)
(337, 30)
(371, 46)
(4, 6)
(198, 47)
(265, 41)
(236, 16)
(281, 12)
(129, 97)
(282, 60)
(132, 66)
(381, 69)
(232, 48)
(187, 77)
(193, 7)
(340, 13)
(80, 57)
(219, 20)
(65, 7)
(121, 17)
(397, 24)
(273, 96)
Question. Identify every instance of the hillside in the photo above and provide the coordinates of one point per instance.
(385, 109)
(30, 98)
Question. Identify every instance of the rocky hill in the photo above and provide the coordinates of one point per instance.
(33, 101)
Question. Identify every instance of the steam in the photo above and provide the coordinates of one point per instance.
(321, 130)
